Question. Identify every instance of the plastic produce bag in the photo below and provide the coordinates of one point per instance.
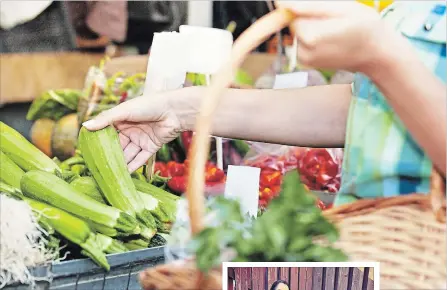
(320, 169)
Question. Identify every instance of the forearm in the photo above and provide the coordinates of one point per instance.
(418, 97)
(314, 116)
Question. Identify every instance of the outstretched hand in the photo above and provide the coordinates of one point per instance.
(144, 125)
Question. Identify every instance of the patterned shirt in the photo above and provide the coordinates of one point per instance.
(381, 157)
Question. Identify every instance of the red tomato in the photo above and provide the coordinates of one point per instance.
(271, 179)
(161, 168)
(267, 194)
(317, 169)
(276, 189)
(175, 169)
(214, 174)
(178, 184)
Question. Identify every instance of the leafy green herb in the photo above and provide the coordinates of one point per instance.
(286, 232)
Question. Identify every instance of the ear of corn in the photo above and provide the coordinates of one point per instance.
(10, 173)
(104, 158)
(87, 185)
(23, 153)
(72, 228)
(109, 245)
(50, 189)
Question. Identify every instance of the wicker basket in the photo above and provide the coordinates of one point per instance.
(400, 232)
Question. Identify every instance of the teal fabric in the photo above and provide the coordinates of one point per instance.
(381, 158)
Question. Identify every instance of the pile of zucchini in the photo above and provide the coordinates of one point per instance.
(90, 199)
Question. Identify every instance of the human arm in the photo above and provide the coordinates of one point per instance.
(313, 116)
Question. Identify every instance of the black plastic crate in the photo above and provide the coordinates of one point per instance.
(83, 274)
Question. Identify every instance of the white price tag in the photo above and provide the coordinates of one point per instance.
(292, 80)
(166, 68)
(243, 184)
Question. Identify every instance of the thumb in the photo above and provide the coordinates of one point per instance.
(115, 114)
(320, 8)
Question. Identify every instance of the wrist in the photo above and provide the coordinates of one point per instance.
(185, 105)
(388, 52)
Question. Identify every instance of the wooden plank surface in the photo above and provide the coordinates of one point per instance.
(246, 278)
(371, 272)
(261, 278)
(370, 284)
(357, 279)
(258, 278)
(284, 273)
(272, 276)
(329, 279)
(317, 279)
(305, 282)
(343, 277)
(294, 275)
(238, 278)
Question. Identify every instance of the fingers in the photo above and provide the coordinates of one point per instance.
(139, 160)
(118, 113)
(124, 140)
(130, 151)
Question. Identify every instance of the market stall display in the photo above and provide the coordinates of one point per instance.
(76, 202)
(396, 245)
(57, 114)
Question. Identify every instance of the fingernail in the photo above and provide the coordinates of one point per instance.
(88, 123)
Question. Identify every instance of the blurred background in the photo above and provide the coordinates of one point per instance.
(62, 62)
(51, 44)
(92, 25)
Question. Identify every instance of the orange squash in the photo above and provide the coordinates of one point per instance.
(65, 137)
(41, 135)
(56, 139)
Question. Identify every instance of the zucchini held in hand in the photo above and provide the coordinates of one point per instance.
(50, 189)
(104, 158)
(23, 153)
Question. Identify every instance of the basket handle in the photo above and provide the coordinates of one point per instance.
(249, 40)
(438, 195)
